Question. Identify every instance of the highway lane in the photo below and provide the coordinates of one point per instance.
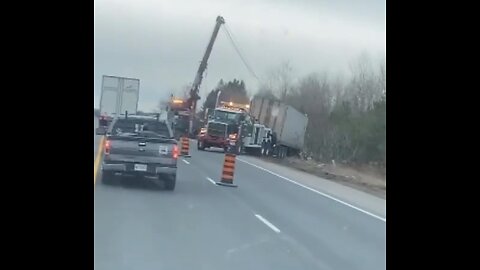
(204, 226)
(195, 227)
(329, 233)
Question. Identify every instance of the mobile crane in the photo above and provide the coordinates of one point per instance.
(194, 97)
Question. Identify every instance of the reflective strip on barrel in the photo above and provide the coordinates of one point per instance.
(185, 145)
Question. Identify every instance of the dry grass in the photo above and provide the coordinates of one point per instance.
(366, 178)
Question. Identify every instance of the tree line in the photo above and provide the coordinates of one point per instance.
(347, 116)
(233, 91)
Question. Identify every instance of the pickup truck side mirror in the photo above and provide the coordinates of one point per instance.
(101, 131)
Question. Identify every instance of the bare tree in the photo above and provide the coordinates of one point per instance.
(184, 91)
(313, 96)
(364, 89)
(383, 77)
(280, 80)
(284, 75)
(337, 90)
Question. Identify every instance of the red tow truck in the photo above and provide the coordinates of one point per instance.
(223, 126)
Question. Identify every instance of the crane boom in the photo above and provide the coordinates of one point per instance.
(201, 69)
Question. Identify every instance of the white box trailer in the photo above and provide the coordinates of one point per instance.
(289, 124)
(119, 94)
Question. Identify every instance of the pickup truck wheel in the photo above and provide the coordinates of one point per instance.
(170, 181)
(107, 178)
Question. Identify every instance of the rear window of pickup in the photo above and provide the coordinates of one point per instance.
(140, 126)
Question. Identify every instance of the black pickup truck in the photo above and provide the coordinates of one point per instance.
(140, 146)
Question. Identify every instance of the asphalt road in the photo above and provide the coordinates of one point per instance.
(264, 223)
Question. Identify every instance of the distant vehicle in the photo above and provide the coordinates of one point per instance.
(118, 95)
(288, 124)
(222, 122)
(179, 114)
(215, 134)
(232, 121)
(141, 146)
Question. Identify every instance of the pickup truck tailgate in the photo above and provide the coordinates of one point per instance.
(138, 150)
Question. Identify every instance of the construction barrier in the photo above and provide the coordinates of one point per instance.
(227, 172)
(185, 146)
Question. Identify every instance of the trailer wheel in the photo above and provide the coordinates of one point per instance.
(282, 152)
(200, 145)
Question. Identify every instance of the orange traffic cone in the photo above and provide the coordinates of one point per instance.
(185, 147)
(228, 169)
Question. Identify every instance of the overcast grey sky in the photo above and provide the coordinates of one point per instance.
(162, 42)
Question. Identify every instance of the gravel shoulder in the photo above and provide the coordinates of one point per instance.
(366, 178)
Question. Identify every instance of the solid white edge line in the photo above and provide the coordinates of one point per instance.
(185, 161)
(270, 225)
(211, 181)
(314, 190)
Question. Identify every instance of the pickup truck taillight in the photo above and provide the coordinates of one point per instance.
(107, 147)
(175, 151)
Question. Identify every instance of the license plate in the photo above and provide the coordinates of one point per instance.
(140, 167)
(163, 150)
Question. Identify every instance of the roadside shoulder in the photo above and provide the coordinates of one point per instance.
(360, 199)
